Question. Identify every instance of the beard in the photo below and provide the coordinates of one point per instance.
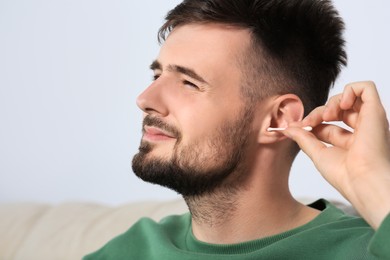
(201, 167)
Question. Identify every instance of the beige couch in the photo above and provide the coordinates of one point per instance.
(31, 231)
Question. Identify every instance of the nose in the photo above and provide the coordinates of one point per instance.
(151, 100)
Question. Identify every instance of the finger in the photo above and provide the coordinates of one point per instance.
(364, 98)
(314, 118)
(350, 118)
(333, 110)
(319, 153)
(334, 135)
(357, 105)
(371, 108)
(366, 90)
(306, 141)
(373, 126)
(347, 106)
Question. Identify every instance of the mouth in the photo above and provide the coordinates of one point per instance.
(152, 133)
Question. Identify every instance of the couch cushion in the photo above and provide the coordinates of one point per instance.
(16, 221)
(70, 230)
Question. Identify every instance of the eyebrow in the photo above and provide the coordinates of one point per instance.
(156, 65)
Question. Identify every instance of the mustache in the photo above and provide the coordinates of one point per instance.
(159, 123)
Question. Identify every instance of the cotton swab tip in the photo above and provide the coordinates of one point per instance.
(307, 128)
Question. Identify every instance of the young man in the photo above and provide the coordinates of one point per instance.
(227, 71)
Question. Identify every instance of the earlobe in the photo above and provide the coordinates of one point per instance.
(285, 109)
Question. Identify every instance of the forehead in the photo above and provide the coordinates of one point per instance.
(211, 49)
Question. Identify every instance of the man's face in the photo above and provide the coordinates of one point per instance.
(197, 126)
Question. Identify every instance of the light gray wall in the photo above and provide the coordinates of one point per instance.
(69, 75)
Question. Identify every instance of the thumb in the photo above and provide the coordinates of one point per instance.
(307, 141)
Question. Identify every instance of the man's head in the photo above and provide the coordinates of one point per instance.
(196, 126)
(221, 71)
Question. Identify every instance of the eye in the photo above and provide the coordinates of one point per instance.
(190, 84)
(155, 77)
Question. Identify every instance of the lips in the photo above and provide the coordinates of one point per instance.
(156, 134)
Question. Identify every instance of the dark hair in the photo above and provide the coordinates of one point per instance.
(297, 45)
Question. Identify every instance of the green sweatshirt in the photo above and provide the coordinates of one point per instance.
(331, 235)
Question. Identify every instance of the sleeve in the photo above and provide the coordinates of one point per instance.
(380, 242)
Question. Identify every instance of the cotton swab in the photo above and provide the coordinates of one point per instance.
(270, 129)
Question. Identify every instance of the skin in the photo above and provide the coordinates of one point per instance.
(357, 164)
(263, 205)
(185, 102)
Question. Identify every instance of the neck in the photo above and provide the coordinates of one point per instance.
(212, 210)
(258, 209)
(222, 220)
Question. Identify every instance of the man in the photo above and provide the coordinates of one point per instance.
(227, 72)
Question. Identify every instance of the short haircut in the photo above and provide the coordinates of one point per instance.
(296, 45)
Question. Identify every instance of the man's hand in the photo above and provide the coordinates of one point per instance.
(356, 163)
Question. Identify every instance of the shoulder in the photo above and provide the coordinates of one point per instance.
(344, 235)
(335, 216)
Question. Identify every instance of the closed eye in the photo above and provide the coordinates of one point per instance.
(190, 84)
(185, 82)
(155, 77)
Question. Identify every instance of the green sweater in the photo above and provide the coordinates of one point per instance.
(331, 235)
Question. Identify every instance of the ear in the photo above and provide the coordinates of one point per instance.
(283, 110)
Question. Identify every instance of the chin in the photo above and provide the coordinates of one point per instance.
(160, 154)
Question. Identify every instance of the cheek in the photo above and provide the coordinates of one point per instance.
(199, 115)
(198, 126)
